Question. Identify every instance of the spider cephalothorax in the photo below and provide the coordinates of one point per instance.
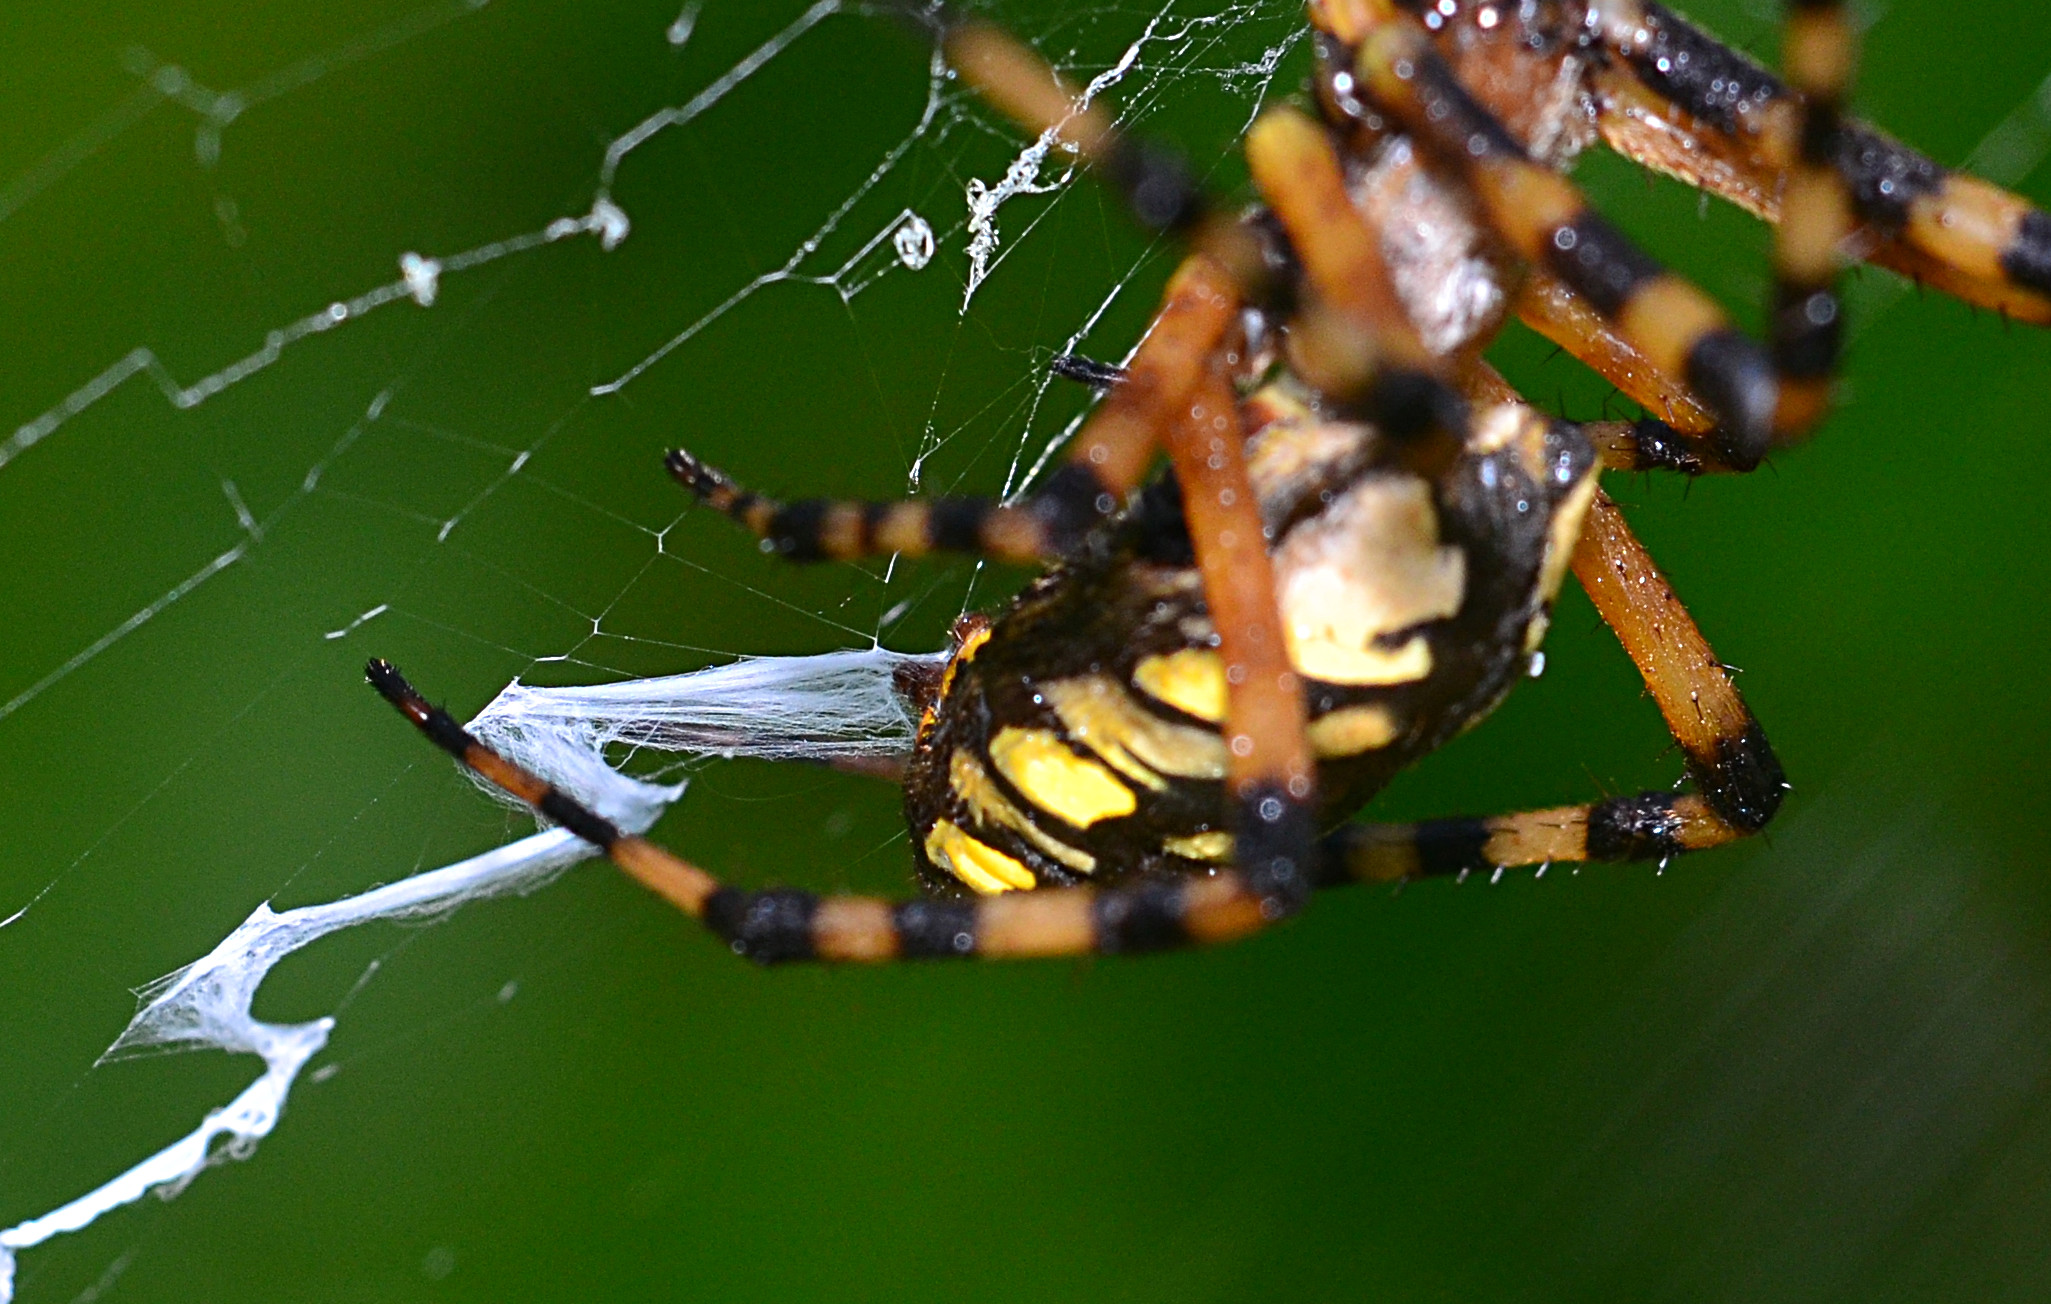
(1355, 546)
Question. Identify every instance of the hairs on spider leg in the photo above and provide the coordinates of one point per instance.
(1082, 370)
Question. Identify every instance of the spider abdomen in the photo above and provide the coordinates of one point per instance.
(1076, 737)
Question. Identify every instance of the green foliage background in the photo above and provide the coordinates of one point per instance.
(1810, 1068)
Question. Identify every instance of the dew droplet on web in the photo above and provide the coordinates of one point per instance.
(913, 241)
(423, 277)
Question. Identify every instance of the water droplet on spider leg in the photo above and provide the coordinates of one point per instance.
(1537, 667)
(913, 241)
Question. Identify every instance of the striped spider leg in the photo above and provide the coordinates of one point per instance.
(1675, 100)
(1759, 399)
(1671, 98)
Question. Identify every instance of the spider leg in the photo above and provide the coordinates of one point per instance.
(1354, 343)
(1552, 308)
(1728, 757)
(1106, 463)
(1270, 777)
(1677, 101)
(1647, 444)
(1815, 209)
(1816, 219)
(1820, 47)
(1648, 826)
(1178, 388)
(1546, 221)
(1351, 339)
(776, 925)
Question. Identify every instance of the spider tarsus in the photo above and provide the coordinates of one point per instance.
(1097, 375)
(392, 686)
(440, 727)
(1661, 447)
(707, 482)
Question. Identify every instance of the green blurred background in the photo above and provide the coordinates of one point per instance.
(1812, 1068)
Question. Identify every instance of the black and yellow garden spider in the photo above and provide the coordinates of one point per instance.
(1355, 551)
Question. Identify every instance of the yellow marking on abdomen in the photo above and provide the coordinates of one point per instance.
(962, 656)
(973, 785)
(1102, 716)
(1351, 730)
(1368, 567)
(1191, 681)
(977, 864)
(1056, 780)
(1332, 661)
(1214, 847)
(1562, 536)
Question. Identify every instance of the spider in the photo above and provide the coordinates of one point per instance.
(1354, 552)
